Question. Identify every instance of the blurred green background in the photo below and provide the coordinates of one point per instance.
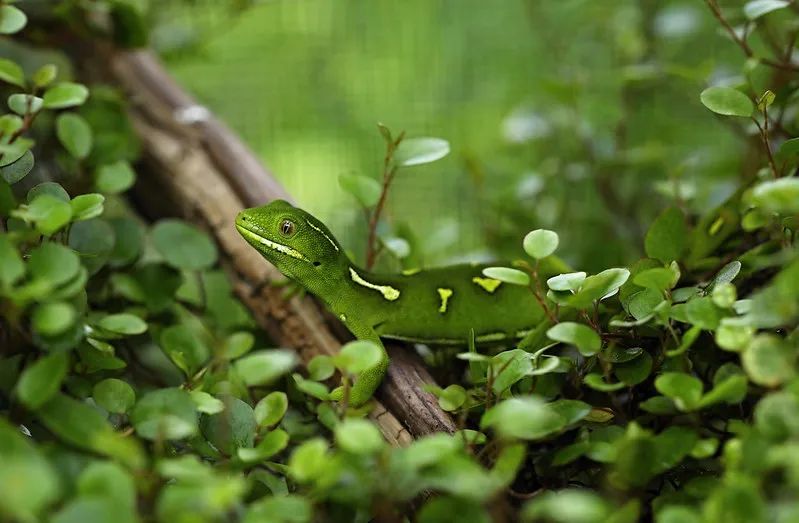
(581, 116)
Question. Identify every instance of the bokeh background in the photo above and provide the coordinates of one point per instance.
(574, 115)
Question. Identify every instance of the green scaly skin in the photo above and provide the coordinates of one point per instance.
(438, 306)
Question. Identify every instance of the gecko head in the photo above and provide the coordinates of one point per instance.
(291, 239)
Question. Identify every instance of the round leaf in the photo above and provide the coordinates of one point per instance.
(452, 398)
(271, 409)
(727, 101)
(53, 263)
(757, 8)
(11, 73)
(507, 275)
(359, 355)
(44, 75)
(87, 206)
(263, 367)
(14, 172)
(12, 19)
(183, 246)
(65, 94)
(114, 395)
(40, 381)
(540, 243)
(526, 418)
(123, 323)
(24, 103)
(74, 134)
(583, 337)
(366, 190)
(114, 178)
(566, 282)
(358, 436)
(52, 319)
(684, 389)
(768, 360)
(166, 413)
(232, 428)
(418, 151)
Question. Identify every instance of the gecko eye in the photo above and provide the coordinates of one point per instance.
(287, 228)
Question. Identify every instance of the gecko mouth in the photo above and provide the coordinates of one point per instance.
(255, 238)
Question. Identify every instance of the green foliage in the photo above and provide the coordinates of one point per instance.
(134, 386)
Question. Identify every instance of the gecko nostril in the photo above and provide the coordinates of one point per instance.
(244, 218)
(317, 264)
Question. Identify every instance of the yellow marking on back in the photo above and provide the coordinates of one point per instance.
(411, 272)
(388, 292)
(488, 284)
(445, 295)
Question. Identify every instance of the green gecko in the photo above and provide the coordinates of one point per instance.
(439, 306)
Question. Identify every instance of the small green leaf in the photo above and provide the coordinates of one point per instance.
(273, 443)
(14, 172)
(777, 416)
(41, 381)
(659, 279)
(757, 8)
(727, 101)
(49, 213)
(167, 413)
(186, 349)
(596, 382)
(684, 389)
(44, 75)
(703, 313)
(237, 345)
(570, 505)
(507, 275)
(768, 360)
(51, 188)
(359, 355)
(26, 473)
(724, 295)
(366, 190)
(789, 148)
(583, 337)
(321, 367)
(265, 366)
(12, 19)
(52, 319)
(114, 395)
(271, 409)
(667, 237)
(11, 266)
(232, 428)
(599, 287)
(312, 388)
(523, 417)
(732, 337)
(53, 263)
(114, 178)
(540, 243)
(418, 151)
(731, 390)
(183, 246)
(74, 134)
(308, 460)
(206, 403)
(765, 100)
(566, 282)
(635, 371)
(123, 323)
(87, 206)
(778, 196)
(23, 104)
(65, 94)
(11, 73)
(358, 436)
(452, 398)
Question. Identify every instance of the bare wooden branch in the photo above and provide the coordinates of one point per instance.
(211, 174)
